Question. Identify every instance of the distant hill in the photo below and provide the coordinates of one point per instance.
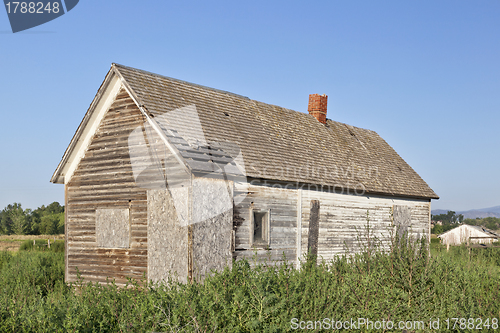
(495, 210)
(473, 213)
(439, 211)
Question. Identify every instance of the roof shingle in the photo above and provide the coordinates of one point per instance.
(281, 144)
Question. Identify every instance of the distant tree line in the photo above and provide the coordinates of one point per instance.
(451, 220)
(492, 223)
(45, 220)
(448, 221)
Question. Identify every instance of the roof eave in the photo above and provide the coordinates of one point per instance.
(400, 195)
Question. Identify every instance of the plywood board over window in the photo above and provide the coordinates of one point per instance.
(112, 228)
(402, 219)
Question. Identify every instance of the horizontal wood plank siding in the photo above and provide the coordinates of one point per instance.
(343, 220)
(282, 204)
(104, 180)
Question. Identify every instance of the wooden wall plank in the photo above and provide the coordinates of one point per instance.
(282, 204)
(104, 179)
(343, 220)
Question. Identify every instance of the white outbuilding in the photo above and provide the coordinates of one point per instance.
(468, 233)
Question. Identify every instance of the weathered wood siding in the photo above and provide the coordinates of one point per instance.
(343, 219)
(104, 180)
(282, 205)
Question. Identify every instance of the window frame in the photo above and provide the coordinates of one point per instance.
(266, 230)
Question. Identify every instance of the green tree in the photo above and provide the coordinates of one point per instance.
(48, 220)
(19, 221)
(449, 218)
(14, 220)
(437, 229)
(45, 219)
(4, 225)
(52, 223)
(492, 223)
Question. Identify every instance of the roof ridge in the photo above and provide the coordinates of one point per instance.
(114, 64)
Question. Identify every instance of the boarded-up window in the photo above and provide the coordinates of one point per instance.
(402, 220)
(312, 241)
(112, 227)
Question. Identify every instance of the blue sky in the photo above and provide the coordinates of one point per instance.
(425, 75)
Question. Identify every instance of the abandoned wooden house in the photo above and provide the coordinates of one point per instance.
(167, 177)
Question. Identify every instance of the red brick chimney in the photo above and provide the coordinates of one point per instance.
(317, 107)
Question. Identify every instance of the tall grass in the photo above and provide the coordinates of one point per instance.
(401, 284)
(42, 245)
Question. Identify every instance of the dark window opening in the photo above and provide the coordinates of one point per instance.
(260, 228)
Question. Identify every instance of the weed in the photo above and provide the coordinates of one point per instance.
(401, 282)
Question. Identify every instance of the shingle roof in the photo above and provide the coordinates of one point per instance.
(282, 144)
(485, 230)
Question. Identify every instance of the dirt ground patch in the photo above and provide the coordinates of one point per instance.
(13, 242)
(10, 246)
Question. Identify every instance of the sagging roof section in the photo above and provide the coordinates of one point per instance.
(269, 142)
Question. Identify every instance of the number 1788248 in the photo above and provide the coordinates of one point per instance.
(32, 7)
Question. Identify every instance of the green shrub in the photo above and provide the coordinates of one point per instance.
(5, 258)
(401, 284)
(27, 245)
(58, 246)
(32, 273)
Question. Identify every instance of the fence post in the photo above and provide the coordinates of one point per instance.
(48, 243)
(468, 245)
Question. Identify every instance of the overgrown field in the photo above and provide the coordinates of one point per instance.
(402, 285)
(14, 242)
